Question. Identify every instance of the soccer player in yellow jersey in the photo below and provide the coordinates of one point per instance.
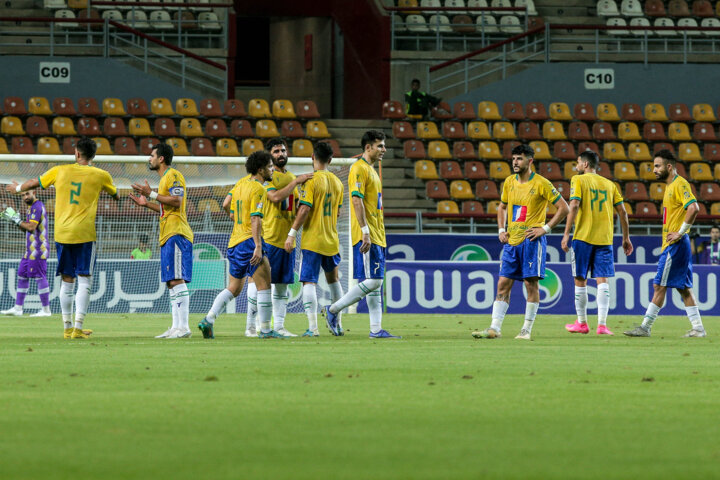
(675, 266)
(77, 188)
(320, 200)
(368, 237)
(245, 248)
(592, 201)
(525, 197)
(176, 237)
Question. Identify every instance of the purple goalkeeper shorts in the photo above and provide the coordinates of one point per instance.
(32, 268)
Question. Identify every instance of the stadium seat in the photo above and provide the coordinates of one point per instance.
(22, 146)
(37, 126)
(441, 111)
(701, 172)
(663, 146)
(529, 131)
(631, 8)
(451, 130)
(607, 112)
(186, 107)
(564, 151)
(475, 171)
(302, 147)
(190, 127)
(472, 207)
(641, 22)
(542, 151)
(529, 6)
(645, 171)
(137, 19)
(689, 152)
(307, 109)
(655, 8)
(137, 107)
(241, 128)
(536, 112)
(114, 127)
(438, 150)
(103, 146)
(226, 147)
(450, 170)
(48, 146)
(680, 168)
(161, 20)
(464, 151)
(210, 107)
(646, 208)
(250, 145)
(292, 129)
(114, 15)
(425, 170)
(715, 208)
(709, 192)
(68, 147)
(489, 151)
(283, 109)
(259, 108)
(179, 146)
(553, 130)
(510, 24)
(631, 112)
(164, 127)
(710, 23)
(187, 20)
(403, 130)
(513, 111)
(461, 190)
(560, 111)
(416, 24)
(702, 112)
(628, 132)
(624, 171)
(579, 131)
(113, 107)
(503, 131)
(702, 9)
(563, 187)
(717, 171)
(614, 151)
(584, 112)
(636, 191)
(679, 112)
(604, 170)
(391, 110)
(428, 131)
(414, 149)
(603, 131)
(639, 152)
(478, 131)
(488, 110)
(657, 191)
(64, 106)
(592, 146)
(678, 8)
(209, 21)
(486, 190)
(654, 132)
(462, 24)
(704, 132)
(711, 152)
(337, 153)
(507, 148)
(499, 170)
(234, 109)
(437, 190)
(447, 206)
(14, 106)
(569, 170)
(550, 170)
(4, 150)
(487, 24)
(679, 132)
(39, 106)
(139, 127)
(655, 112)
(492, 206)
(11, 125)
(62, 126)
(125, 146)
(217, 128)
(317, 129)
(464, 111)
(607, 8)
(161, 107)
(266, 128)
(147, 143)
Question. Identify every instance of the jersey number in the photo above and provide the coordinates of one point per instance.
(75, 192)
(238, 212)
(596, 196)
(327, 205)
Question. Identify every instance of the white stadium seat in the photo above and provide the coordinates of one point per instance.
(607, 8)
(617, 22)
(631, 8)
(640, 22)
(439, 23)
(510, 24)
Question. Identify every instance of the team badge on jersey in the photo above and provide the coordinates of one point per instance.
(519, 213)
(288, 204)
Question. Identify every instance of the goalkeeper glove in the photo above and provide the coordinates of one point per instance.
(11, 215)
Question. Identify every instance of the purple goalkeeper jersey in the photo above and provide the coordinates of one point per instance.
(37, 244)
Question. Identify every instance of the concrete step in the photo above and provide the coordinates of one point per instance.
(389, 182)
(355, 123)
(400, 193)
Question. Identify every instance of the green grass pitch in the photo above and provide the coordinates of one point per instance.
(435, 405)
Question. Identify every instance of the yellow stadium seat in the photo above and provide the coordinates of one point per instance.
(208, 205)
(408, 3)
(679, 132)
(655, 112)
(63, 126)
(461, 190)
(492, 206)
(317, 129)
(689, 152)
(657, 191)
(139, 127)
(702, 112)
(3, 147)
(113, 107)
(488, 110)
(283, 109)
(11, 125)
(717, 170)
(186, 107)
(553, 130)
(426, 170)
(645, 171)
(542, 151)
(189, 170)
(427, 131)
(438, 149)
(302, 147)
(624, 171)
(161, 107)
(614, 151)
(715, 208)
(489, 151)
(447, 206)
(499, 170)
(190, 127)
(103, 146)
(569, 170)
(607, 112)
(628, 208)
(551, 209)
(39, 106)
(639, 152)
(266, 128)
(629, 132)
(478, 131)
(504, 131)
(226, 147)
(48, 146)
(259, 108)
(560, 111)
(179, 146)
(251, 145)
(701, 172)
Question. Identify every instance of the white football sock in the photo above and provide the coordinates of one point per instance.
(183, 301)
(651, 315)
(374, 302)
(530, 312)
(310, 304)
(355, 294)
(82, 300)
(219, 305)
(251, 305)
(581, 300)
(173, 308)
(264, 303)
(66, 302)
(336, 293)
(603, 301)
(498, 314)
(279, 304)
(693, 314)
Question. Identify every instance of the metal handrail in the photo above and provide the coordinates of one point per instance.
(455, 9)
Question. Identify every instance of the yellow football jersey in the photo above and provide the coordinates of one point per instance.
(249, 198)
(527, 203)
(279, 216)
(597, 196)
(173, 220)
(323, 194)
(678, 197)
(77, 190)
(365, 183)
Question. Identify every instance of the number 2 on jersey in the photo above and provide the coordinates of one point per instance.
(596, 196)
(327, 205)
(75, 192)
(238, 212)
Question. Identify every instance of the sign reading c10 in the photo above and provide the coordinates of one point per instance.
(599, 78)
(54, 72)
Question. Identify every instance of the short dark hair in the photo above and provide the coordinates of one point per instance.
(712, 227)
(87, 148)
(371, 136)
(323, 152)
(274, 142)
(667, 156)
(143, 238)
(257, 160)
(526, 150)
(164, 150)
(415, 80)
(590, 157)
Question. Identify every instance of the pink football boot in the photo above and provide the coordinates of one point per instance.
(577, 327)
(603, 330)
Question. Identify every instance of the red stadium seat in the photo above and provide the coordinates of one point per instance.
(710, 192)
(241, 128)
(654, 132)
(564, 151)
(337, 153)
(655, 8)
(604, 170)
(563, 188)
(307, 110)
(22, 146)
(579, 132)
(513, 111)
(603, 132)
(14, 106)
(88, 127)
(464, 111)
(679, 112)
(165, 127)
(711, 152)
(88, 107)
(114, 127)
(414, 149)
(403, 130)
(636, 191)
(704, 132)
(663, 146)
(37, 126)
(529, 131)
(536, 111)
(210, 108)
(702, 9)
(69, 143)
(452, 130)
(125, 146)
(234, 108)
(632, 112)
(437, 190)
(646, 208)
(486, 190)
(137, 107)
(464, 151)
(550, 170)
(291, 129)
(475, 171)
(442, 111)
(470, 207)
(584, 112)
(146, 145)
(63, 106)
(507, 148)
(450, 170)
(202, 147)
(216, 128)
(592, 146)
(393, 110)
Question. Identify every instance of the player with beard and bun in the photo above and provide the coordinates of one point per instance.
(675, 266)
(176, 237)
(525, 196)
(37, 249)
